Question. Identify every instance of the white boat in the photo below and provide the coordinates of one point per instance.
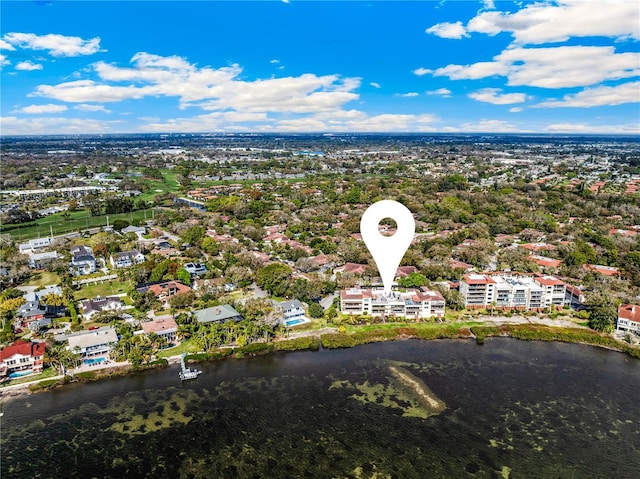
(188, 373)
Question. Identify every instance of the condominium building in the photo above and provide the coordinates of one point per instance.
(512, 290)
(416, 304)
(628, 319)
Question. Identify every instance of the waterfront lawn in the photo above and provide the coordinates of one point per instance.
(186, 346)
(46, 373)
(418, 326)
(109, 288)
(43, 278)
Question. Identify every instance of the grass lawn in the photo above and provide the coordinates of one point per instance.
(43, 278)
(168, 184)
(185, 346)
(76, 221)
(108, 288)
(426, 325)
(46, 373)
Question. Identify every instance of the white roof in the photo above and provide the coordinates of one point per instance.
(93, 338)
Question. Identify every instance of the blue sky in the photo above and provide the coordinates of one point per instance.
(568, 66)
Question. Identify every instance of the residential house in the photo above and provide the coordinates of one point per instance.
(293, 313)
(165, 327)
(218, 314)
(34, 314)
(628, 319)
(165, 291)
(33, 245)
(353, 268)
(138, 230)
(195, 269)
(94, 343)
(40, 260)
(91, 307)
(21, 359)
(82, 260)
(415, 304)
(404, 271)
(126, 259)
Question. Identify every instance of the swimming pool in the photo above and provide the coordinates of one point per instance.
(293, 322)
(92, 361)
(19, 374)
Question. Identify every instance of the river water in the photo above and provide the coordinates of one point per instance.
(511, 409)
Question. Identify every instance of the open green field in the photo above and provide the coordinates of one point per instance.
(108, 288)
(426, 325)
(158, 187)
(76, 221)
(43, 278)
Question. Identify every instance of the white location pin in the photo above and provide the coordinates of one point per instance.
(387, 251)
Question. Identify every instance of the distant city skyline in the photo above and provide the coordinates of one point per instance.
(568, 66)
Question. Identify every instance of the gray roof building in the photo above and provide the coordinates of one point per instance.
(219, 314)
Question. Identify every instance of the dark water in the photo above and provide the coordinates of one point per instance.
(513, 409)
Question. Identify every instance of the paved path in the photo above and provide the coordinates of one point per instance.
(107, 277)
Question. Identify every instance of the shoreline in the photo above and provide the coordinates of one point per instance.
(330, 338)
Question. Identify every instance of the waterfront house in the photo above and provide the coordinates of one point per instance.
(126, 259)
(218, 314)
(94, 343)
(293, 312)
(21, 359)
(82, 260)
(165, 327)
(628, 319)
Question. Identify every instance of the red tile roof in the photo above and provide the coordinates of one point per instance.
(630, 312)
(24, 348)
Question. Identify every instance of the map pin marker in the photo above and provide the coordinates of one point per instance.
(387, 251)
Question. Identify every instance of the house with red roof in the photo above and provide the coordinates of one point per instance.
(628, 319)
(164, 327)
(22, 358)
(165, 291)
(353, 268)
(604, 270)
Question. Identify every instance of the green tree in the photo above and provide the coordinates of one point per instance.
(274, 278)
(315, 310)
(413, 280)
(184, 276)
(603, 312)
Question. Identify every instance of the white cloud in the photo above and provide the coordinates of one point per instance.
(12, 125)
(5, 45)
(485, 126)
(496, 97)
(554, 67)
(515, 109)
(375, 84)
(82, 91)
(275, 61)
(421, 71)
(56, 45)
(444, 92)
(545, 22)
(28, 66)
(40, 109)
(448, 30)
(599, 96)
(3, 60)
(411, 94)
(87, 107)
(207, 88)
(632, 128)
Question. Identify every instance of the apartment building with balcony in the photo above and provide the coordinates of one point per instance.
(512, 291)
(414, 304)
